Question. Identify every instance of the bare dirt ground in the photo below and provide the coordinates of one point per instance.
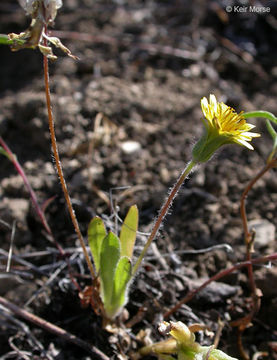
(143, 68)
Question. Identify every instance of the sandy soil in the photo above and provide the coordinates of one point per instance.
(143, 68)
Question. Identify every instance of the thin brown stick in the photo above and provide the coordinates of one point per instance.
(216, 277)
(59, 166)
(247, 235)
(242, 352)
(56, 330)
(249, 239)
(220, 326)
(11, 247)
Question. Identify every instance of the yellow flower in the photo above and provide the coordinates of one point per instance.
(223, 126)
(227, 122)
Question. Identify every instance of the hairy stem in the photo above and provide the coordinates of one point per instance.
(163, 212)
(59, 166)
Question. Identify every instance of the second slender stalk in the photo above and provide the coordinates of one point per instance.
(164, 211)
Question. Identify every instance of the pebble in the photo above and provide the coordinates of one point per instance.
(12, 185)
(18, 208)
(265, 232)
(266, 280)
(130, 147)
(214, 293)
(8, 282)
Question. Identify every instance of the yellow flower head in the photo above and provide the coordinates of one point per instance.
(224, 126)
(227, 122)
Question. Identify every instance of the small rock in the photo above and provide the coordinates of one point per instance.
(265, 232)
(8, 282)
(12, 185)
(214, 293)
(21, 293)
(213, 208)
(266, 280)
(165, 175)
(49, 168)
(18, 208)
(130, 147)
(198, 178)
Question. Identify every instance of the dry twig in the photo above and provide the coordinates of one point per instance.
(56, 330)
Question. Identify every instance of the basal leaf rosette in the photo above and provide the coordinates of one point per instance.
(112, 256)
(222, 126)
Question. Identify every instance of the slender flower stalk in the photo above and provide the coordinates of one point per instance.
(164, 211)
(59, 167)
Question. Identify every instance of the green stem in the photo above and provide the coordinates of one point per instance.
(163, 212)
(273, 134)
(270, 117)
(259, 113)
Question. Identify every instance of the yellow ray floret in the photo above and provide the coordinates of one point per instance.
(225, 121)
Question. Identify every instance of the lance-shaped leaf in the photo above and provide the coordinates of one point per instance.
(5, 40)
(109, 257)
(128, 232)
(4, 152)
(122, 276)
(96, 235)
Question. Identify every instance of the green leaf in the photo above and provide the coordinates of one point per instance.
(122, 276)
(109, 257)
(128, 232)
(96, 235)
(5, 40)
(4, 152)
